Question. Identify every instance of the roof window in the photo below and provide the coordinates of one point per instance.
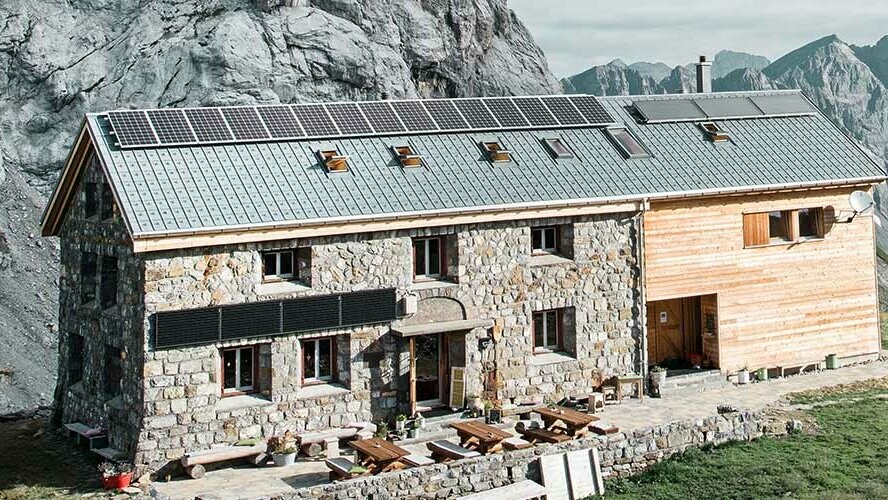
(557, 148)
(496, 153)
(714, 133)
(333, 161)
(407, 156)
(627, 143)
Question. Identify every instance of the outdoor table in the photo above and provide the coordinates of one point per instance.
(576, 423)
(379, 455)
(480, 437)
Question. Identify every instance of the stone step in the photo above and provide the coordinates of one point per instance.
(693, 382)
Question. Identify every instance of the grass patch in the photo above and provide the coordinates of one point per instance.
(846, 459)
(883, 326)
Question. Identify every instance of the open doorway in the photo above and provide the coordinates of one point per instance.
(683, 333)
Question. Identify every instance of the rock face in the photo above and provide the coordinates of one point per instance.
(62, 59)
(728, 61)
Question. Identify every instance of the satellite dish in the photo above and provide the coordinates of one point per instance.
(861, 202)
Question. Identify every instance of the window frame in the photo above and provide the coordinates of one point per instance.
(559, 331)
(91, 200)
(277, 277)
(407, 156)
(550, 143)
(495, 151)
(819, 225)
(757, 227)
(239, 390)
(89, 278)
(442, 258)
(544, 250)
(334, 365)
(786, 220)
(334, 162)
(611, 134)
(715, 133)
(107, 292)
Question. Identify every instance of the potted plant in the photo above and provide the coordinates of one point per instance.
(419, 421)
(116, 475)
(400, 423)
(492, 412)
(474, 404)
(743, 376)
(283, 449)
(657, 376)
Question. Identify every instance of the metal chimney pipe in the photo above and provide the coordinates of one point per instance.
(704, 76)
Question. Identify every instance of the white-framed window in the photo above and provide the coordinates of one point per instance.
(238, 370)
(277, 265)
(544, 239)
(318, 360)
(547, 335)
(428, 258)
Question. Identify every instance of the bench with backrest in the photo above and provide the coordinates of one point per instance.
(522, 490)
(194, 462)
(444, 451)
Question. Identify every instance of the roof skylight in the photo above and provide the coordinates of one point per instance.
(714, 132)
(333, 161)
(496, 153)
(627, 143)
(557, 148)
(407, 156)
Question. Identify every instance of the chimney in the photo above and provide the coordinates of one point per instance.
(704, 76)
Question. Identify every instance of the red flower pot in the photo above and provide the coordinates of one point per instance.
(117, 482)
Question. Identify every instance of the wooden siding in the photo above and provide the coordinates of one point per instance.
(777, 303)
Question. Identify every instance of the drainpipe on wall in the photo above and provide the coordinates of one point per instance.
(642, 299)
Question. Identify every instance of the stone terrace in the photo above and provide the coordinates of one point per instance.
(693, 411)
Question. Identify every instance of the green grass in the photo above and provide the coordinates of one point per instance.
(846, 459)
(884, 327)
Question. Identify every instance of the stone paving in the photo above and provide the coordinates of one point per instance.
(249, 482)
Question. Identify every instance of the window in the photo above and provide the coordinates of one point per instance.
(547, 331)
(109, 281)
(318, 360)
(107, 202)
(407, 156)
(90, 200)
(238, 370)
(627, 143)
(113, 370)
(277, 265)
(810, 223)
(714, 133)
(779, 226)
(88, 277)
(428, 258)
(496, 153)
(333, 161)
(558, 149)
(75, 358)
(544, 239)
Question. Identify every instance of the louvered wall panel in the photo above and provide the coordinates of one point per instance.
(311, 313)
(190, 327)
(371, 306)
(256, 319)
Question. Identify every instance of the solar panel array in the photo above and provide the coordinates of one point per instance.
(190, 126)
(724, 107)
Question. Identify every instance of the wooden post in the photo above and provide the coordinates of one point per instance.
(412, 376)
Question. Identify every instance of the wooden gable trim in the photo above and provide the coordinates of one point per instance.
(60, 200)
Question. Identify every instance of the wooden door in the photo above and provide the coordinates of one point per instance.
(665, 331)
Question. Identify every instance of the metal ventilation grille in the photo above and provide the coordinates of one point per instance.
(272, 318)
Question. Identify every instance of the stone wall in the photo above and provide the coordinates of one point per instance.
(622, 454)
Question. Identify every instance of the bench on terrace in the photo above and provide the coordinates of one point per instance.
(310, 442)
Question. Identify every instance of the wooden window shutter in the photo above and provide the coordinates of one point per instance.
(755, 229)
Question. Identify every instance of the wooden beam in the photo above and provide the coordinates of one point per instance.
(61, 197)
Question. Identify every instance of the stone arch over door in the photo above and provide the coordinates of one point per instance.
(437, 310)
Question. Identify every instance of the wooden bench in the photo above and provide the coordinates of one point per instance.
(516, 443)
(341, 469)
(522, 490)
(95, 437)
(800, 366)
(445, 451)
(310, 442)
(417, 460)
(194, 462)
(545, 435)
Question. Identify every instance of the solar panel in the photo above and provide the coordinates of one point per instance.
(208, 124)
(171, 126)
(132, 128)
(592, 110)
(506, 113)
(445, 114)
(728, 107)
(537, 114)
(381, 116)
(280, 121)
(784, 104)
(315, 120)
(564, 111)
(245, 123)
(476, 113)
(349, 118)
(670, 110)
(414, 116)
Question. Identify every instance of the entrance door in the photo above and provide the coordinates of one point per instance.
(428, 352)
(665, 335)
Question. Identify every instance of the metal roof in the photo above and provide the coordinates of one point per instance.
(186, 189)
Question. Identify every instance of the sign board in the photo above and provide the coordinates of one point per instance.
(457, 387)
(579, 468)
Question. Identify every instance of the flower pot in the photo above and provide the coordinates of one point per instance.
(832, 362)
(743, 377)
(400, 425)
(658, 379)
(419, 423)
(411, 433)
(283, 459)
(475, 404)
(117, 482)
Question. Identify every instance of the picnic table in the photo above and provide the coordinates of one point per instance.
(575, 423)
(379, 455)
(480, 437)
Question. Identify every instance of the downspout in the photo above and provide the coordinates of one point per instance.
(642, 298)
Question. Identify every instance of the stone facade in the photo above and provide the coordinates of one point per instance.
(174, 399)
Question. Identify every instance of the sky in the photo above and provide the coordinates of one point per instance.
(578, 34)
